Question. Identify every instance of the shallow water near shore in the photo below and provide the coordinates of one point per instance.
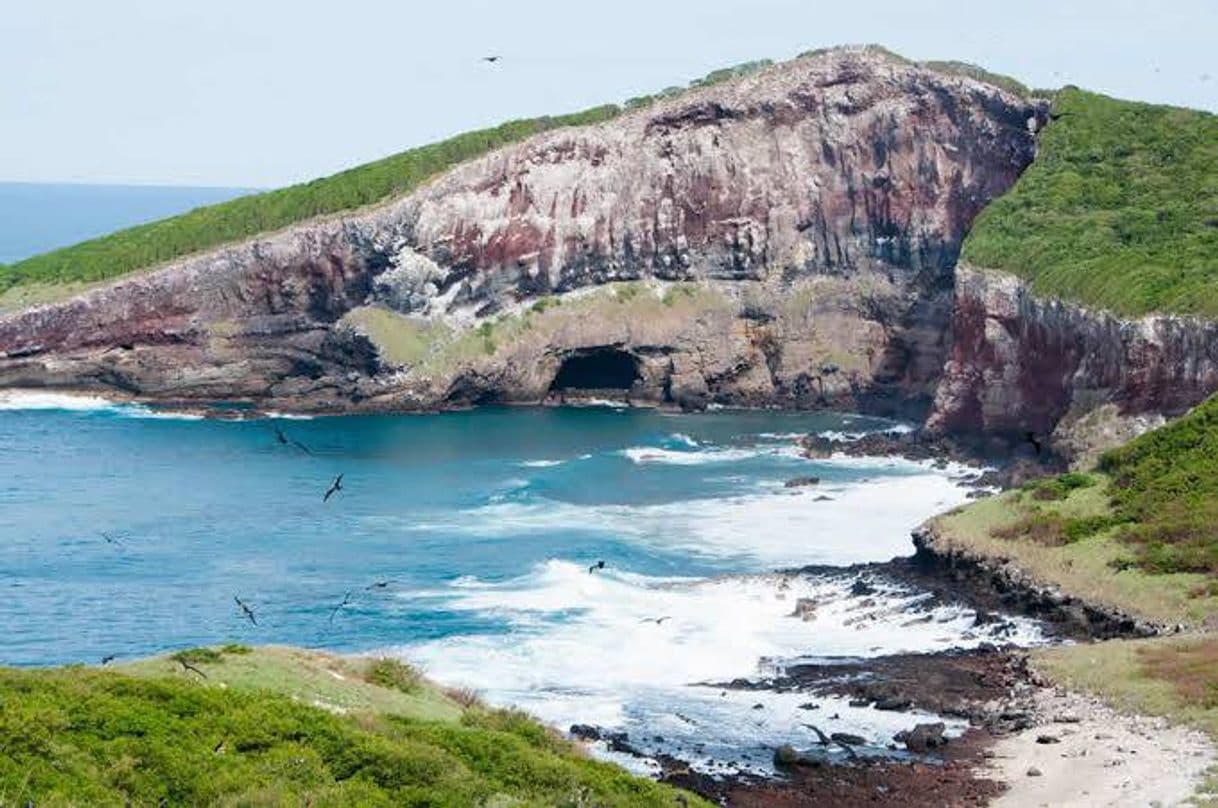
(482, 526)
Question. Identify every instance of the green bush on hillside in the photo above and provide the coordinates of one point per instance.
(1119, 209)
(1165, 484)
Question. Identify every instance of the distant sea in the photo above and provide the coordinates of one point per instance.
(36, 217)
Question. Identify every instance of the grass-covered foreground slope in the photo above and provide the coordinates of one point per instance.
(1140, 534)
(1118, 210)
(276, 727)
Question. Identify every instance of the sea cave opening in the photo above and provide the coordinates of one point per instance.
(597, 369)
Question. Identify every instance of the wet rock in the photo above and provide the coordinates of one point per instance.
(1034, 772)
(847, 739)
(860, 702)
(786, 756)
(922, 738)
(862, 587)
(805, 609)
(894, 704)
(801, 482)
(809, 705)
(1045, 739)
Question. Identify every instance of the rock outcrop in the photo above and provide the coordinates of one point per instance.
(1081, 379)
(785, 238)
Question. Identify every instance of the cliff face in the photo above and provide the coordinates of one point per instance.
(793, 235)
(1083, 378)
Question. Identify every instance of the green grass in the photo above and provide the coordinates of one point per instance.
(1118, 210)
(144, 735)
(1165, 486)
(1077, 543)
(214, 225)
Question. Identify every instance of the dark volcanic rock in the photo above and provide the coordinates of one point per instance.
(922, 738)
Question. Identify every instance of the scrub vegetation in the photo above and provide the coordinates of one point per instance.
(1118, 210)
(252, 733)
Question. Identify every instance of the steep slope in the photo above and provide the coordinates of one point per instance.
(785, 237)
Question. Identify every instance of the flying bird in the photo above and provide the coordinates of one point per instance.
(346, 600)
(490, 59)
(111, 539)
(599, 565)
(657, 620)
(379, 585)
(286, 441)
(108, 658)
(335, 487)
(246, 610)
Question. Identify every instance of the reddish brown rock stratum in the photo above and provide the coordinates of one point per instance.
(792, 235)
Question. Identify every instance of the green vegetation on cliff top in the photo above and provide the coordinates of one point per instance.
(148, 245)
(1119, 209)
(252, 734)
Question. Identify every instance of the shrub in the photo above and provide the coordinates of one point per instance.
(393, 674)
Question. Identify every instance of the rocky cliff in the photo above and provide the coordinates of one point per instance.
(784, 238)
(1079, 379)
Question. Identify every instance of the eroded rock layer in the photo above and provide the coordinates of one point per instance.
(1046, 370)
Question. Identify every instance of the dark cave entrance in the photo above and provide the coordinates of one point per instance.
(597, 369)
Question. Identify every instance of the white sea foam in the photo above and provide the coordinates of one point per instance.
(681, 457)
(584, 648)
(859, 521)
(15, 400)
(685, 440)
(541, 464)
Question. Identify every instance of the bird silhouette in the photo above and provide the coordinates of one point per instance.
(379, 585)
(490, 59)
(286, 441)
(108, 658)
(246, 610)
(111, 539)
(334, 488)
(346, 600)
(599, 565)
(657, 620)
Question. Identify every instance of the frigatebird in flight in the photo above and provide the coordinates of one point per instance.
(246, 611)
(334, 488)
(491, 59)
(346, 600)
(286, 441)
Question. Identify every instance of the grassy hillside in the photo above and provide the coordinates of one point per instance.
(1119, 209)
(1165, 491)
(276, 727)
(150, 244)
(1140, 534)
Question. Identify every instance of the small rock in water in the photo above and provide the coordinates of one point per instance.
(1048, 739)
(759, 706)
(859, 702)
(894, 703)
(861, 588)
(805, 608)
(847, 739)
(800, 482)
(923, 737)
(1034, 772)
(809, 705)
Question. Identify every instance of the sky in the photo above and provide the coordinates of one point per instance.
(262, 93)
